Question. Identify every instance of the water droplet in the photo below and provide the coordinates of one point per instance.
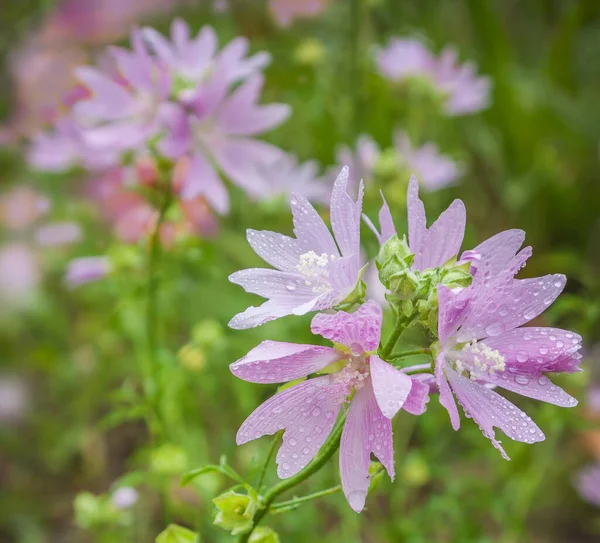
(543, 380)
(277, 410)
(522, 356)
(543, 350)
(494, 329)
(293, 442)
(521, 379)
(530, 314)
(290, 286)
(356, 499)
(316, 412)
(527, 336)
(285, 466)
(559, 344)
(305, 450)
(318, 430)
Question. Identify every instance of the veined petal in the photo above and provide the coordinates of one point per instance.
(343, 274)
(386, 223)
(277, 362)
(488, 409)
(416, 403)
(307, 412)
(345, 215)
(417, 220)
(268, 311)
(310, 230)
(536, 386)
(390, 385)
(446, 397)
(366, 431)
(359, 331)
(497, 251)
(177, 139)
(273, 284)
(452, 311)
(281, 252)
(203, 180)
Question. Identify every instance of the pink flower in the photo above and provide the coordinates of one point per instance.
(87, 270)
(588, 484)
(308, 411)
(57, 234)
(286, 176)
(20, 274)
(285, 11)
(192, 61)
(433, 169)
(119, 117)
(464, 91)
(482, 343)
(313, 272)
(432, 246)
(216, 128)
(21, 207)
(362, 161)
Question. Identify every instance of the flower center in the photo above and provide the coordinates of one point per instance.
(352, 377)
(315, 270)
(477, 361)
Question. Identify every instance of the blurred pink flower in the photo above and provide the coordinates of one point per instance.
(588, 484)
(58, 233)
(81, 271)
(433, 169)
(21, 207)
(124, 497)
(14, 399)
(465, 92)
(362, 161)
(285, 11)
(20, 274)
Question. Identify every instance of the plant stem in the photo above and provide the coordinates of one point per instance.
(282, 507)
(420, 350)
(152, 388)
(387, 349)
(270, 454)
(416, 367)
(331, 445)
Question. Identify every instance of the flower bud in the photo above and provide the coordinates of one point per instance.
(177, 534)
(234, 512)
(457, 275)
(264, 534)
(403, 285)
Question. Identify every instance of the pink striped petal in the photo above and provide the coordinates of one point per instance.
(416, 403)
(417, 221)
(277, 362)
(391, 386)
(446, 397)
(307, 412)
(311, 231)
(345, 215)
(281, 252)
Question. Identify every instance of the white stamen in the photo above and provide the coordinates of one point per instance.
(315, 268)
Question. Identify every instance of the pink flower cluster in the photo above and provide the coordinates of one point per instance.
(464, 91)
(480, 342)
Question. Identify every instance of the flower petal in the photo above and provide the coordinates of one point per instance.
(345, 215)
(359, 331)
(366, 431)
(416, 403)
(417, 221)
(268, 311)
(307, 412)
(488, 409)
(311, 231)
(391, 386)
(446, 397)
(273, 284)
(497, 251)
(281, 252)
(203, 180)
(538, 387)
(277, 362)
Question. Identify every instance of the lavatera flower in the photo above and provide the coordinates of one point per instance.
(482, 343)
(374, 390)
(313, 271)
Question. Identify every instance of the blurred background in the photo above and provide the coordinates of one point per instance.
(491, 101)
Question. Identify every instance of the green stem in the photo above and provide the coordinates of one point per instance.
(331, 445)
(424, 350)
(282, 507)
(270, 454)
(387, 349)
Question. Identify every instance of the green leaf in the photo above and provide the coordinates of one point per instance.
(177, 534)
(191, 475)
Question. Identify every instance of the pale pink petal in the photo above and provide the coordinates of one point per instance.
(277, 362)
(203, 180)
(343, 273)
(386, 223)
(311, 231)
(159, 44)
(177, 139)
(452, 311)
(508, 305)
(417, 221)
(273, 284)
(416, 403)
(180, 33)
(536, 386)
(345, 215)
(488, 409)
(268, 311)
(446, 397)
(307, 412)
(497, 251)
(360, 331)
(391, 386)
(110, 100)
(281, 252)
(366, 431)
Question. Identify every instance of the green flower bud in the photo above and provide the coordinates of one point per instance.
(376, 472)
(403, 285)
(177, 534)
(93, 511)
(192, 357)
(415, 470)
(207, 332)
(394, 256)
(234, 512)
(264, 534)
(457, 276)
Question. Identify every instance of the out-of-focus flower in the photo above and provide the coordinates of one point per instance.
(58, 233)
(85, 270)
(235, 511)
(312, 273)
(118, 117)
(433, 169)
(286, 176)
(362, 161)
(310, 52)
(465, 92)
(21, 207)
(308, 411)
(14, 399)
(264, 534)
(124, 497)
(285, 11)
(20, 274)
(192, 61)
(588, 484)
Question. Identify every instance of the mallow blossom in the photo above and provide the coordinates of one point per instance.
(361, 160)
(588, 484)
(308, 411)
(88, 269)
(285, 11)
(434, 169)
(464, 91)
(314, 271)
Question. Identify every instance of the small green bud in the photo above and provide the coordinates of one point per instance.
(177, 534)
(264, 534)
(207, 332)
(403, 285)
(168, 459)
(457, 276)
(408, 308)
(192, 357)
(376, 472)
(394, 252)
(416, 470)
(234, 512)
